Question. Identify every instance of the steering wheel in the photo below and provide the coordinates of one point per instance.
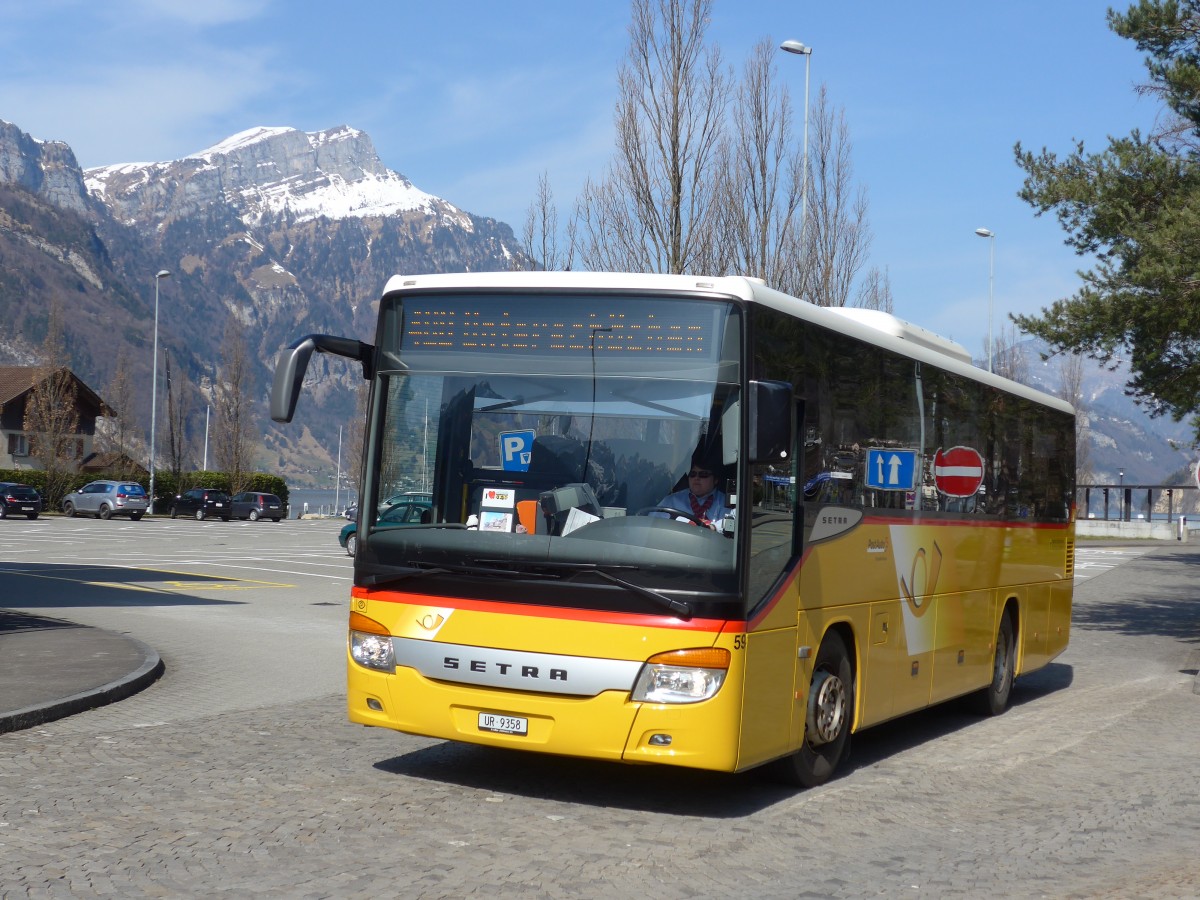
(673, 512)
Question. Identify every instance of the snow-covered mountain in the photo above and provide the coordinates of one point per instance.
(271, 173)
(280, 231)
(1124, 443)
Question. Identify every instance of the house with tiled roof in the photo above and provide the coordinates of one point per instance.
(16, 386)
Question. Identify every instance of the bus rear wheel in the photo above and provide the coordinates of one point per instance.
(828, 717)
(994, 698)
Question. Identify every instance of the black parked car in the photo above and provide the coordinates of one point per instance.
(254, 505)
(202, 503)
(20, 500)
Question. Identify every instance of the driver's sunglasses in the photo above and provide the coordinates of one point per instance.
(699, 473)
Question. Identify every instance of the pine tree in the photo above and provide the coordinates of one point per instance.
(1135, 207)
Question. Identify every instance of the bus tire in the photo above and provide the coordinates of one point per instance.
(828, 718)
(994, 698)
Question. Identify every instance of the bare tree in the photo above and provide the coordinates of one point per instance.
(876, 291)
(121, 414)
(699, 184)
(836, 238)
(1009, 358)
(654, 211)
(761, 169)
(540, 238)
(52, 411)
(235, 417)
(177, 389)
(1071, 369)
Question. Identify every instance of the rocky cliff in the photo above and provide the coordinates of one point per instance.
(46, 169)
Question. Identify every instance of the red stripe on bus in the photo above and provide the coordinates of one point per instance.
(962, 523)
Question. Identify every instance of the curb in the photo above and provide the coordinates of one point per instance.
(150, 670)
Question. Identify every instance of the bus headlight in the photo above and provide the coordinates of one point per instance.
(371, 644)
(682, 676)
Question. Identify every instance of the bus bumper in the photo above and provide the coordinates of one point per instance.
(607, 726)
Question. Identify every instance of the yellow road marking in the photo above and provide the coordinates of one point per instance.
(205, 582)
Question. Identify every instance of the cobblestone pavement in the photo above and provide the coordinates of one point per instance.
(237, 775)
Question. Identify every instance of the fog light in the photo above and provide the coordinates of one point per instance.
(660, 740)
(374, 704)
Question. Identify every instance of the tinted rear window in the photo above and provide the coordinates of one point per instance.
(132, 489)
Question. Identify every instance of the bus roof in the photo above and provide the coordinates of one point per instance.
(871, 326)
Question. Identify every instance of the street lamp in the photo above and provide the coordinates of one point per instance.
(162, 273)
(801, 50)
(991, 236)
(1121, 479)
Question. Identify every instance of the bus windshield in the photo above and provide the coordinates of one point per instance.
(540, 441)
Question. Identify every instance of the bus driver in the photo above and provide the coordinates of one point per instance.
(701, 498)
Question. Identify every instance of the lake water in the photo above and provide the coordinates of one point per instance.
(320, 502)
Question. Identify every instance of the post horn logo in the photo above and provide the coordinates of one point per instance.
(431, 621)
(925, 566)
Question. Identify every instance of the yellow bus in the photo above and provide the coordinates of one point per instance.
(894, 527)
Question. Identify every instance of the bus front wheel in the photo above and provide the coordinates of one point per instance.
(828, 717)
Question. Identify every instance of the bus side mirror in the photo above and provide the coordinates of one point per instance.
(293, 363)
(770, 421)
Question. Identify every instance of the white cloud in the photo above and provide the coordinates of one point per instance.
(165, 111)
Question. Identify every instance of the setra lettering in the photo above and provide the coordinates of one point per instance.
(483, 667)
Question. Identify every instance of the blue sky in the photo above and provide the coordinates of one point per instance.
(472, 101)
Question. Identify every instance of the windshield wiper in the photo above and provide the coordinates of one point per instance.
(403, 574)
(681, 609)
(678, 607)
(393, 575)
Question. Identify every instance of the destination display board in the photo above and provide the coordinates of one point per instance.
(551, 326)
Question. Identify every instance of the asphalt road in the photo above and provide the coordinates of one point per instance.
(237, 774)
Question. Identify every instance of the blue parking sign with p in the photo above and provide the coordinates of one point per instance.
(515, 450)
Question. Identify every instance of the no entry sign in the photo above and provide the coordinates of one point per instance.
(958, 472)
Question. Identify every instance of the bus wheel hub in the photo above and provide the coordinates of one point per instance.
(826, 708)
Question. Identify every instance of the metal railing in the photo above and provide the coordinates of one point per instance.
(1128, 502)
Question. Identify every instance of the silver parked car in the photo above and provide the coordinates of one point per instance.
(105, 499)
